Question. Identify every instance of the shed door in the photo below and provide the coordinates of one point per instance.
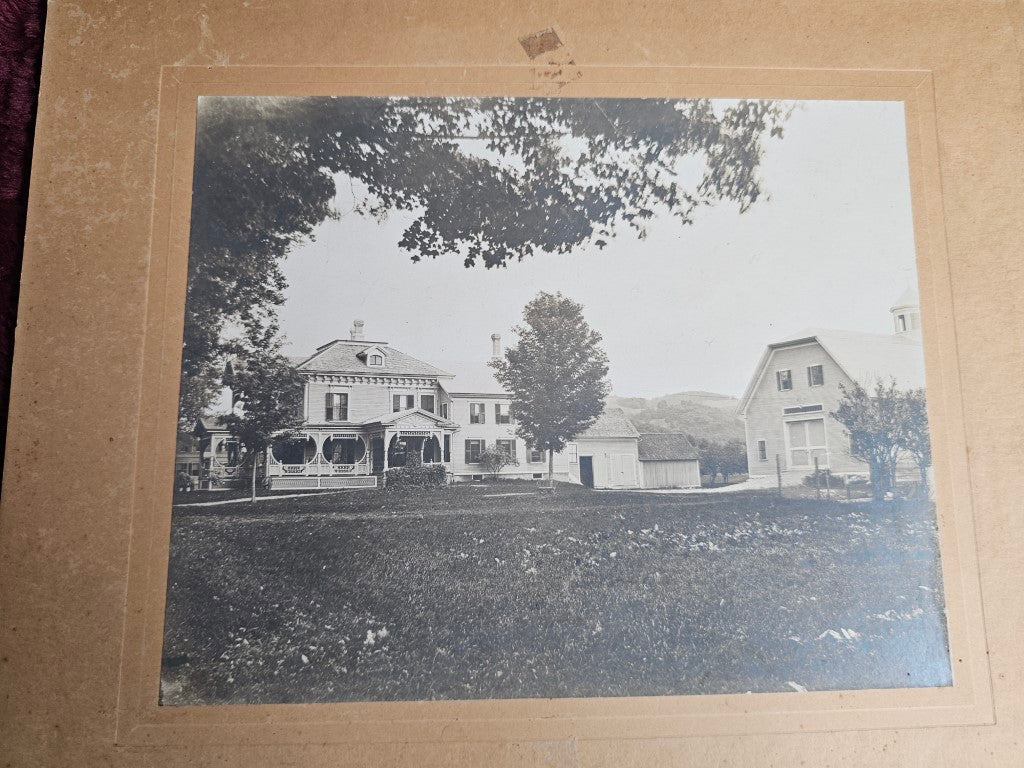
(623, 471)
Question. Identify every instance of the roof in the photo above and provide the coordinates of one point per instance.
(908, 298)
(473, 378)
(612, 423)
(863, 357)
(392, 418)
(665, 446)
(341, 356)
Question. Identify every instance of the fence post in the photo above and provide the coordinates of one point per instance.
(778, 472)
(846, 484)
(817, 481)
(828, 485)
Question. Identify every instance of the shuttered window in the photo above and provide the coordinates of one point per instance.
(508, 446)
(336, 408)
(402, 402)
(473, 450)
(502, 414)
(477, 413)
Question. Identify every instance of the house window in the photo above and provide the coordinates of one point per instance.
(807, 442)
(473, 450)
(447, 448)
(784, 380)
(901, 323)
(427, 403)
(444, 411)
(762, 450)
(502, 415)
(377, 360)
(815, 375)
(574, 453)
(477, 413)
(402, 402)
(508, 446)
(336, 408)
(536, 456)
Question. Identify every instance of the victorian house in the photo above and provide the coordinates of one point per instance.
(368, 407)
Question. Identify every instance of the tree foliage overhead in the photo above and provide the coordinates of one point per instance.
(488, 180)
(556, 373)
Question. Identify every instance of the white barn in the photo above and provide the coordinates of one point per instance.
(797, 384)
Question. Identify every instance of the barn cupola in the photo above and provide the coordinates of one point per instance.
(356, 333)
(495, 345)
(906, 313)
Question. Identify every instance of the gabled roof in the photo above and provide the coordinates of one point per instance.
(908, 298)
(612, 423)
(342, 356)
(863, 357)
(393, 418)
(665, 446)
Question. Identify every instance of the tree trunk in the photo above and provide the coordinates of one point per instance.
(255, 464)
(551, 468)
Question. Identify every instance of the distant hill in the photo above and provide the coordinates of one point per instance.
(702, 415)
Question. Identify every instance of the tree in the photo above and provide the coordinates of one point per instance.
(733, 459)
(556, 374)
(270, 393)
(916, 439)
(725, 458)
(878, 424)
(568, 172)
(494, 460)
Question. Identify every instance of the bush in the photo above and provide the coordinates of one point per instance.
(418, 476)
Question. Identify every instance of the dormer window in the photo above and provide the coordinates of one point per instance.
(373, 357)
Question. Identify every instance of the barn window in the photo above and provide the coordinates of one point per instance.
(784, 380)
(762, 450)
(815, 375)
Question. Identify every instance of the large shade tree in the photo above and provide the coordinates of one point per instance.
(487, 180)
(556, 374)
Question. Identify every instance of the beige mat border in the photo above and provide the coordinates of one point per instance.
(140, 721)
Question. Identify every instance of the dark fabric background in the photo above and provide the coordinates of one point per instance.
(21, 45)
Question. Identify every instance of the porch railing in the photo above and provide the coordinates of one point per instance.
(318, 466)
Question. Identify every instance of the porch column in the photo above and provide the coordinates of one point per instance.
(387, 448)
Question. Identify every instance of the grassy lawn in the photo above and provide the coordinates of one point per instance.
(498, 591)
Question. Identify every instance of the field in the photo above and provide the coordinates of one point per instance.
(498, 591)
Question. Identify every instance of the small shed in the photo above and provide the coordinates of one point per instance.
(607, 453)
(668, 460)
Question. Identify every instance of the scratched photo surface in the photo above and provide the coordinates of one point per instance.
(550, 397)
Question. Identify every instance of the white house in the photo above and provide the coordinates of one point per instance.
(796, 384)
(368, 406)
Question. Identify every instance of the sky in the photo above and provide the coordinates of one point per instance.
(691, 307)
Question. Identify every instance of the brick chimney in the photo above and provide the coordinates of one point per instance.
(357, 330)
(495, 345)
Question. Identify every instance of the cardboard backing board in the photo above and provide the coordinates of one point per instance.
(86, 512)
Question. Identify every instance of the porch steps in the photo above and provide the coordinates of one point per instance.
(357, 481)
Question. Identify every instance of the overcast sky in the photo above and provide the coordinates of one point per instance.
(690, 307)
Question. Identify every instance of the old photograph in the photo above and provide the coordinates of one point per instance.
(522, 397)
